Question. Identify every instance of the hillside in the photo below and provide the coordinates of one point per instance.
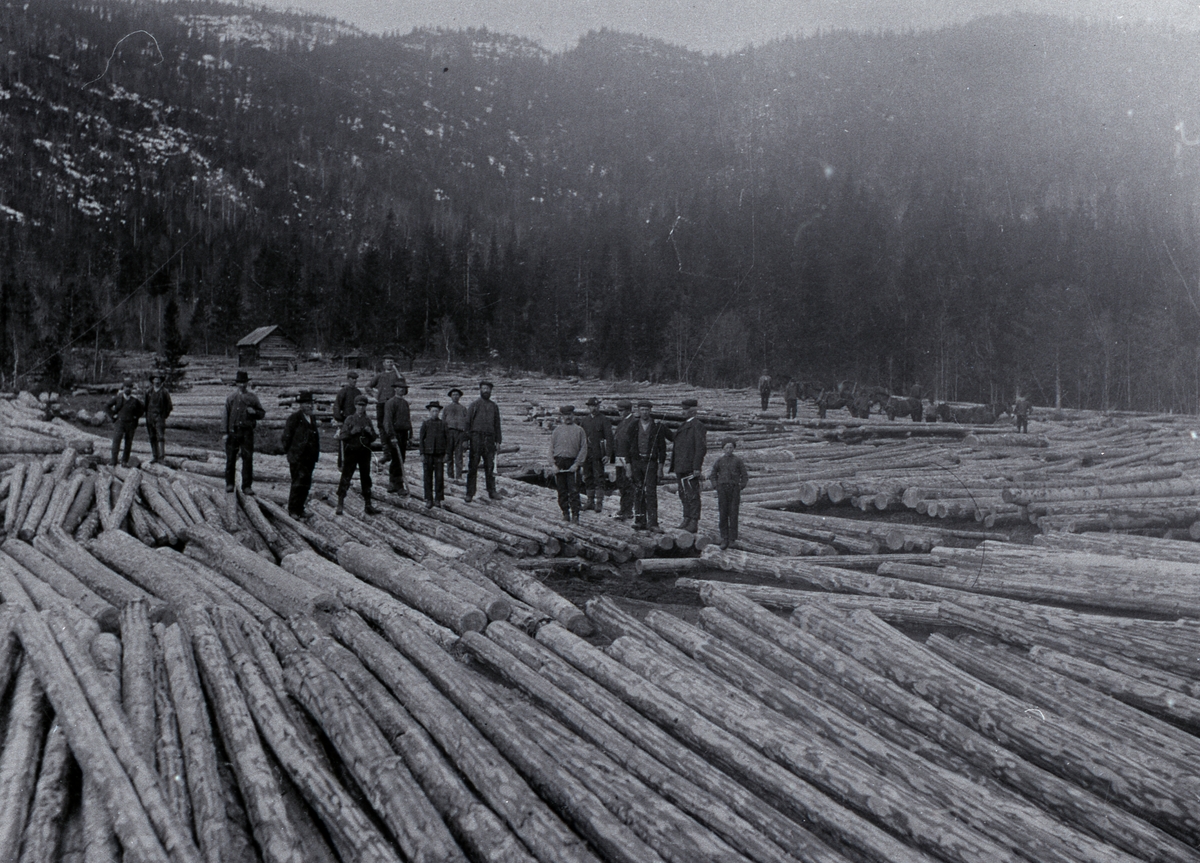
(1005, 204)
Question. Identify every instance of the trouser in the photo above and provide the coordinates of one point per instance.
(240, 443)
(302, 473)
(156, 430)
(356, 457)
(791, 408)
(625, 487)
(689, 497)
(1022, 426)
(568, 487)
(457, 441)
(397, 455)
(435, 477)
(643, 476)
(593, 475)
(123, 432)
(729, 501)
(380, 404)
(483, 447)
(766, 398)
(918, 412)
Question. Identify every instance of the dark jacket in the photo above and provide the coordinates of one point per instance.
(729, 470)
(432, 439)
(397, 420)
(384, 385)
(125, 410)
(358, 431)
(301, 440)
(483, 416)
(622, 444)
(343, 402)
(791, 392)
(243, 410)
(158, 404)
(599, 431)
(657, 435)
(691, 445)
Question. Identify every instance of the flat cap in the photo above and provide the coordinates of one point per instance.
(593, 401)
(567, 409)
(689, 403)
(645, 403)
(624, 403)
(360, 399)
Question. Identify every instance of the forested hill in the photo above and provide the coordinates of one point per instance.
(993, 206)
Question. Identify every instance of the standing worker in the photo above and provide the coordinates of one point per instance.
(483, 425)
(455, 418)
(433, 444)
(687, 463)
(158, 408)
(791, 396)
(384, 385)
(124, 409)
(647, 453)
(397, 431)
(243, 410)
(356, 434)
(1022, 409)
(568, 450)
(599, 431)
(729, 476)
(343, 405)
(620, 457)
(764, 388)
(301, 442)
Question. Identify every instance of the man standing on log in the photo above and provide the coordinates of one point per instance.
(158, 408)
(301, 443)
(384, 385)
(621, 450)
(243, 410)
(1021, 410)
(397, 431)
(568, 450)
(455, 418)
(599, 431)
(125, 408)
(356, 434)
(687, 463)
(791, 396)
(764, 388)
(433, 443)
(483, 425)
(729, 477)
(343, 405)
(647, 453)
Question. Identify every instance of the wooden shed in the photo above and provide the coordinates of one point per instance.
(267, 346)
(354, 359)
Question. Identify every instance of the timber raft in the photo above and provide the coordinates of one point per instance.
(932, 643)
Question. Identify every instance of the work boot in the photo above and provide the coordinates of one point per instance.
(591, 501)
(394, 488)
(247, 491)
(599, 502)
(566, 515)
(693, 526)
(724, 544)
(368, 509)
(228, 488)
(683, 525)
(575, 518)
(341, 505)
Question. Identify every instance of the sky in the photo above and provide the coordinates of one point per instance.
(713, 25)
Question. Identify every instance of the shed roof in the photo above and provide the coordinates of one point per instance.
(258, 335)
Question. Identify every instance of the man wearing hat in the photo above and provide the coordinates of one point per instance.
(568, 450)
(647, 452)
(432, 443)
(687, 463)
(301, 442)
(455, 417)
(620, 457)
(397, 431)
(124, 408)
(343, 404)
(483, 425)
(158, 408)
(599, 431)
(384, 385)
(729, 476)
(356, 435)
(243, 410)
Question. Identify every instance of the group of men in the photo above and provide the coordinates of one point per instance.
(127, 407)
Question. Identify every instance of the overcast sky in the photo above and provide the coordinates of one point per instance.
(711, 25)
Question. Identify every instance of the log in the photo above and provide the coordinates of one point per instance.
(903, 611)
(159, 506)
(16, 487)
(32, 592)
(412, 585)
(39, 505)
(137, 677)
(531, 591)
(10, 648)
(80, 506)
(147, 570)
(65, 584)
(120, 508)
(480, 762)
(194, 513)
(113, 588)
(48, 811)
(99, 838)
(488, 598)
(168, 748)
(19, 759)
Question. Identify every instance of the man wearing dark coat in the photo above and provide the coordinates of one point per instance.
(384, 385)
(343, 405)
(125, 409)
(357, 434)
(433, 442)
(621, 448)
(243, 410)
(397, 431)
(599, 431)
(301, 442)
(158, 408)
(483, 425)
(647, 453)
(687, 463)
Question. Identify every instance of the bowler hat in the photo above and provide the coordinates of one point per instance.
(567, 409)
(306, 397)
(593, 401)
(455, 390)
(242, 377)
(437, 405)
(360, 400)
(689, 403)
